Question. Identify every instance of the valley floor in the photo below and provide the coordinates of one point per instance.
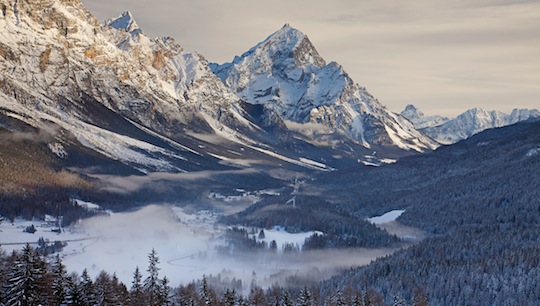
(186, 245)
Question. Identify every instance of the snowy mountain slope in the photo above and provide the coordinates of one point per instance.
(286, 75)
(128, 144)
(57, 49)
(471, 122)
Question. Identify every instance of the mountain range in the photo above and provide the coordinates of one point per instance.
(450, 130)
(101, 98)
(107, 91)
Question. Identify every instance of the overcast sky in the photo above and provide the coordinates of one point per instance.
(442, 56)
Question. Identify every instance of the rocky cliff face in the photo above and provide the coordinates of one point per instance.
(57, 49)
(419, 120)
(286, 74)
(59, 64)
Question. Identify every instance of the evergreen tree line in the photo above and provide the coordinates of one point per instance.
(29, 278)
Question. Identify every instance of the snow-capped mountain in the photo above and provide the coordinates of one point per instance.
(471, 122)
(144, 102)
(420, 120)
(286, 75)
(111, 92)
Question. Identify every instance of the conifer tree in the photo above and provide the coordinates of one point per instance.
(74, 295)
(287, 300)
(229, 298)
(152, 284)
(136, 294)
(305, 298)
(338, 299)
(22, 282)
(59, 284)
(165, 294)
(399, 301)
(88, 293)
(205, 292)
(357, 300)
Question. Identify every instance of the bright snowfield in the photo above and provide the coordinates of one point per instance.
(185, 244)
(388, 221)
(387, 217)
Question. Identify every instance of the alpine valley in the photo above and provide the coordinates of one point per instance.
(96, 118)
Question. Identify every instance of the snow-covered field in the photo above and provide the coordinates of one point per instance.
(184, 242)
(13, 237)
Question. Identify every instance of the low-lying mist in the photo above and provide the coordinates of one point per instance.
(185, 245)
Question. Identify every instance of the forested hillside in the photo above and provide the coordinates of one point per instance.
(309, 213)
(480, 202)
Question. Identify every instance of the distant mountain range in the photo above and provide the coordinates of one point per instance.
(450, 130)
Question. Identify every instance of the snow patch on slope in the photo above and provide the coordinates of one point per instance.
(533, 152)
(387, 217)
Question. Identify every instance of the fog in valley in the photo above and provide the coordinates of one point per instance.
(186, 246)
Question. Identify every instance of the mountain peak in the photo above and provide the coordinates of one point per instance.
(286, 74)
(290, 42)
(420, 120)
(411, 112)
(125, 22)
(475, 120)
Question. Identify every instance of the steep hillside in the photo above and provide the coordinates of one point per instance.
(477, 200)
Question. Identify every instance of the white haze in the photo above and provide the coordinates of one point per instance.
(127, 184)
(185, 245)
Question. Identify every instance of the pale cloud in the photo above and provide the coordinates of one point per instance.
(443, 56)
(132, 183)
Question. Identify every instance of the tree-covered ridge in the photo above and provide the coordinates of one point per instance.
(303, 213)
(480, 202)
